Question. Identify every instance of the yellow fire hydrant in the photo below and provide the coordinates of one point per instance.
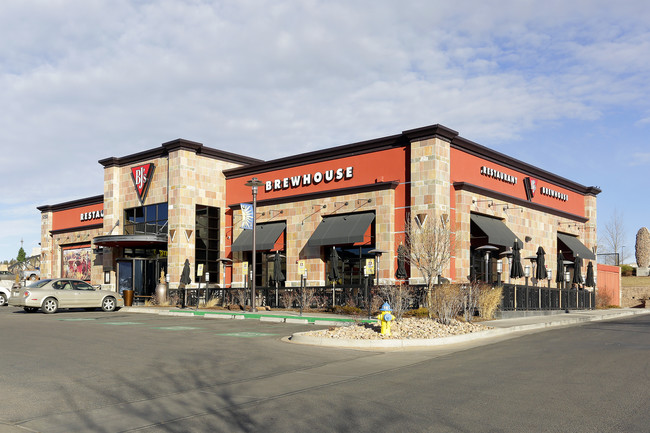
(385, 318)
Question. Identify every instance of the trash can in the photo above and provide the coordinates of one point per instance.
(128, 297)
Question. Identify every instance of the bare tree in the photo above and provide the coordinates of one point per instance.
(428, 241)
(613, 240)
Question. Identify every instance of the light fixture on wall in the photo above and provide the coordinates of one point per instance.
(490, 202)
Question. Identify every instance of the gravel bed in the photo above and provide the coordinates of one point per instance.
(407, 328)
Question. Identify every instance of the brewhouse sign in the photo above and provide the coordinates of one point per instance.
(142, 175)
(309, 179)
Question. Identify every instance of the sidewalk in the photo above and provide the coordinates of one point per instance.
(498, 327)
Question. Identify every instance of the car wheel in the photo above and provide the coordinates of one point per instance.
(3, 299)
(108, 304)
(30, 309)
(32, 277)
(50, 306)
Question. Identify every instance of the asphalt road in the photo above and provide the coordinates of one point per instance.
(100, 372)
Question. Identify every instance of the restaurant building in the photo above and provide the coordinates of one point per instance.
(183, 201)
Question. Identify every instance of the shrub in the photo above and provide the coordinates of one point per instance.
(604, 300)
(420, 312)
(346, 309)
(447, 302)
(399, 297)
(489, 299)
(627, 271)
(288, 297)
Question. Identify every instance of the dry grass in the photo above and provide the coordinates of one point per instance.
(489, 299)
(635, 281)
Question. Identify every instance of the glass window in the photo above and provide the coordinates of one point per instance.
(207, 243)
(351, 263)
(81, 285)
(150, 219)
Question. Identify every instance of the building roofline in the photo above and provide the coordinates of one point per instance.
(175, 145)
(97, 199)
(403, 139)
(343, 151)
(483, 152)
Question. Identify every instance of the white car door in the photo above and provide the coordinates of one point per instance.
(64, 293)
(86, 295)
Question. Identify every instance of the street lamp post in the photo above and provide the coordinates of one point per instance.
(254, 183)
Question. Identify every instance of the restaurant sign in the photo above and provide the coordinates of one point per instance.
(498, 175)
(142, 175)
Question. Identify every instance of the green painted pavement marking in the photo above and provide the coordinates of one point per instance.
(76, 320)
(176, 328)
(282, 316)
(122, 323)
(247, 334)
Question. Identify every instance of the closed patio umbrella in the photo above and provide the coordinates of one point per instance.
(589, 282)
(185, 275)
(540, 272)
(559, 275)
(334, 273)
(577, 271)
(517, 271)
(185, 280)
(400, 274)
(278, 276)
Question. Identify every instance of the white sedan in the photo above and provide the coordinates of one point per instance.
(51, 294)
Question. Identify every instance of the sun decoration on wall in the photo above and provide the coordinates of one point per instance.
(247, 216)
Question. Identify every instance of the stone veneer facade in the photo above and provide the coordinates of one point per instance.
(427, 171)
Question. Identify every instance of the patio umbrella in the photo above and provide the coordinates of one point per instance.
(185, 280)
(400, 274)
(517, 271)
(334, 273)
(559, 275)
(590, 276)
(278, 276)
(540, 272)
(577, 271)
(185, 275)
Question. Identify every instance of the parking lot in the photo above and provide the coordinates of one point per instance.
(95, 371)
(127, 372)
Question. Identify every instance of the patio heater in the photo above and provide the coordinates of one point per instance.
(487, 249)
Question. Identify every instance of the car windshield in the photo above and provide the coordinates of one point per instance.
(38, 284)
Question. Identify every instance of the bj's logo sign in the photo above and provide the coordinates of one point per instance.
(142, 175)
(530, 184)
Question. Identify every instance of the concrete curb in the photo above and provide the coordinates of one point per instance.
(304, 338)
(262, 317)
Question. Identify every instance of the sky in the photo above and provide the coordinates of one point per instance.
(563, 85)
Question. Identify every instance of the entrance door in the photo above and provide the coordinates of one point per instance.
(124, 275)
(140, 275)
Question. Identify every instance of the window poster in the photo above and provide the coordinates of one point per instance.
(77, 263)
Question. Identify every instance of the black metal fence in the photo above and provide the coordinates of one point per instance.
(515, 297)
